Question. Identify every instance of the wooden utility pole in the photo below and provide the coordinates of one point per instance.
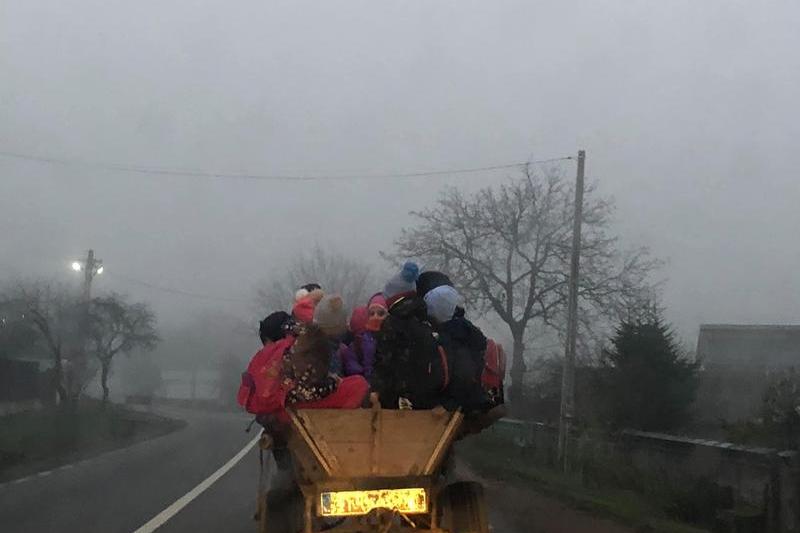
(568, 375)
(91, 268)
(78, 360)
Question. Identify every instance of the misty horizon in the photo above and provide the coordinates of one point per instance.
(682, 109)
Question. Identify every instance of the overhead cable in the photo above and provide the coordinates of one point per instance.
(162, 171)
(178, 291)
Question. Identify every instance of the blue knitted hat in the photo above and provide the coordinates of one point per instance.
(402, 282)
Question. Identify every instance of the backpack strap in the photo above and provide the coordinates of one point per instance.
(445, 367)
(246, 390)
(501, 361)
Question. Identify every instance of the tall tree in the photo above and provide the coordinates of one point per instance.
(118, 326)
(335, 272)
(53, 312)
(17, 336)
(508, 249)
(647, 380)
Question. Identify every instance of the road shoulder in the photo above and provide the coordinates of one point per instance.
(38, 442)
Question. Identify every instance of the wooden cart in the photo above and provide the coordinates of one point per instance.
(374, 470)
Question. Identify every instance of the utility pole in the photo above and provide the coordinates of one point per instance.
(568, 375)
(91, 268)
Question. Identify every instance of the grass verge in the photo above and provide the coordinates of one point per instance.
(40, 440)
(493, 457)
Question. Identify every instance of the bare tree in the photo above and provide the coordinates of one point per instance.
(53, 312)
(335, 272)
(117, 326)
(508, 250)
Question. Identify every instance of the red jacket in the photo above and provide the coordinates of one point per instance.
(262, 390)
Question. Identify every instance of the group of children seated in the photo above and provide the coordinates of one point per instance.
(411, 344)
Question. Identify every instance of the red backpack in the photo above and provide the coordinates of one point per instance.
(494, 371)
(262, 390)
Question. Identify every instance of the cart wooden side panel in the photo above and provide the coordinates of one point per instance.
(338, 443)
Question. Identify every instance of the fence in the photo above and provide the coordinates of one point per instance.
(763, 480)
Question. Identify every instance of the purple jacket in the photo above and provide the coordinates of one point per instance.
(358, 358)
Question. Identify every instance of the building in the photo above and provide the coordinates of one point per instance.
(737, 361)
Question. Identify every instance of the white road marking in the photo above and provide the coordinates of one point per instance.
(161, 518)
(45, 473)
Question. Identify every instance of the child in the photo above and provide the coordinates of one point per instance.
(330, 316)
(358, 356)
(305, 303)
(306, 366)
(410, 371)
(377, 309)
(465, 346)
(308, 379)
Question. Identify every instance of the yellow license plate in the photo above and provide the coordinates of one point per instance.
(360, 502)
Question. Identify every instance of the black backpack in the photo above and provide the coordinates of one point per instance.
(409, 362)
(465, 345)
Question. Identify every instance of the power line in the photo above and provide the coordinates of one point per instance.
(162, 171)
(178, 292)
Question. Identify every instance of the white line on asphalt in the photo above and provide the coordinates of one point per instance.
(45, 473)
(161, 518)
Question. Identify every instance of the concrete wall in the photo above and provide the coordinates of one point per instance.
(760, 478)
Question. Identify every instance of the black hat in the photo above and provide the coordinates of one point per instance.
(431, 279)
(273, 327)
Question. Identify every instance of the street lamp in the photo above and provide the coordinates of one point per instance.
(90, 268)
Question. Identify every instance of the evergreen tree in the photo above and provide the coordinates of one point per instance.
(648, 383)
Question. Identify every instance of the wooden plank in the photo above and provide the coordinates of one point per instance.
(310, 443)
(376, 442)
(444, 443)
(341, 425)
(320, 440)
(375, 448)
(352, 459)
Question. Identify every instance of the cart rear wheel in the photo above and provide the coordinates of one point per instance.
(282, 511)
(462, 508)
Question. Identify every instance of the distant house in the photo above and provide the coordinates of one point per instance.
(737, 361)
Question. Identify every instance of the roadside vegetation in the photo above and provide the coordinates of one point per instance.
(494, 456)
(38, 440)
(80, 336)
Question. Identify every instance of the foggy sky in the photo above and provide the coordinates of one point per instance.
(687, 110)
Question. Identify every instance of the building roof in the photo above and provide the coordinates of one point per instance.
(761, 346)
(752, 327)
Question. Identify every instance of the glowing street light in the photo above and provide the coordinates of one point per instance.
(90, 268)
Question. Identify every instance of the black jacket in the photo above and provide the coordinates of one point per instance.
(408, 363)
(465, 346)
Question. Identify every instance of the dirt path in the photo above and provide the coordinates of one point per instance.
(515, 510)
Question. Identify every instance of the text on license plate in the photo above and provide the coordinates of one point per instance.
(359, 502)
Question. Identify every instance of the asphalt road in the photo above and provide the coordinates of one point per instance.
(122, 490)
